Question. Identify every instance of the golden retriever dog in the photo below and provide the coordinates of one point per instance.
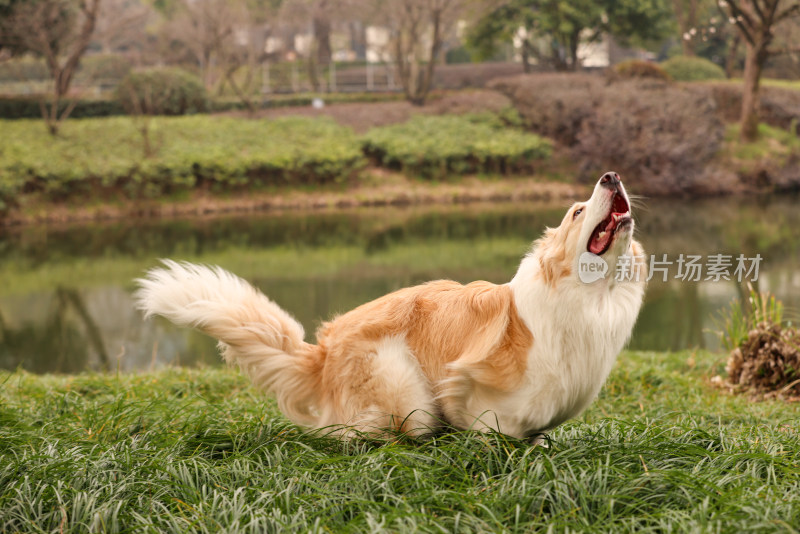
(519, 358)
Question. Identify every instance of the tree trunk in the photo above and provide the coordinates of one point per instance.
(755, 57)
(574, 41)
(526, 57)
(733, 50)
(426, 82)
(322, 36)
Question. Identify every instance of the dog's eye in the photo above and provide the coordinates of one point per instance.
(577, 212)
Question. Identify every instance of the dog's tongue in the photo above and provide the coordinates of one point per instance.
(600, 239)
(598, 244)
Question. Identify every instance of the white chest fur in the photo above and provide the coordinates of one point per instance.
(578, 330)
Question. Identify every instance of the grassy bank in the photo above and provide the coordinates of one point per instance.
(125, 158)
(198, 450)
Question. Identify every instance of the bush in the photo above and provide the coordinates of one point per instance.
(101, 157)
(435, 146)
(553, 105)
(661, 137)
(634, 68)
(691, 69)
(162, 91)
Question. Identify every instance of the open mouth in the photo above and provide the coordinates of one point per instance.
(619, 216)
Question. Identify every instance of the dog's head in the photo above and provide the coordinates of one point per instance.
(602, 226)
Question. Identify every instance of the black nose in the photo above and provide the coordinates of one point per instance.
(610, 180)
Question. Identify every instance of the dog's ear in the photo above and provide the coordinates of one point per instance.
(553, 257)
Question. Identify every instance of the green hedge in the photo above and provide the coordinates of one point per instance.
(99, 157)
(690, 69)
(27, 107)
(436, 146)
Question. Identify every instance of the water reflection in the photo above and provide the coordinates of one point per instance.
(65, 293)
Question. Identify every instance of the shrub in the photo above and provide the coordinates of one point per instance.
(553, 105)
(162, 91)
(690, 69)
(661, 137)
(103, 156)
(634, 68)
(435, 146)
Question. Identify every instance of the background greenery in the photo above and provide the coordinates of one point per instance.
(436, 147)
(188, 152)
(147, 157)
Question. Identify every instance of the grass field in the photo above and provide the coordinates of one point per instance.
(200, 451)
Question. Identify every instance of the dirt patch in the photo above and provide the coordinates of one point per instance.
(378, 188)
(361, 116)
(768, 362)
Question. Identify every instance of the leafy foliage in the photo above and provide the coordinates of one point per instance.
(101, 156)
(162, 91)
(555, 28)
(691, 69)
(435, 146)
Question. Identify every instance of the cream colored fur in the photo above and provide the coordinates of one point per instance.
(520, 357)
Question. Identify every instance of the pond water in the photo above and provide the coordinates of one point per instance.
(65, 293)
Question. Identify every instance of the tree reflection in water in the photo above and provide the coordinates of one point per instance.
(65, 292)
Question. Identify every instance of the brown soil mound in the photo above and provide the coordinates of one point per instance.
(768, 362)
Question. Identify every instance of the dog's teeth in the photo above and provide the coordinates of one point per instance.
(601, 235)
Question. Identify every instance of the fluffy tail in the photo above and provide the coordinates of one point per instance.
(253, 332)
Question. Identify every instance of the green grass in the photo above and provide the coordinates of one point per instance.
(198, 450)
(774, 145)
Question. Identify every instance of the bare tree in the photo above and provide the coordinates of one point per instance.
(121, 25)
(203, 29)
(419, 28)
(316, 19)
(241, 59)
(755, 21)
(59, 31)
